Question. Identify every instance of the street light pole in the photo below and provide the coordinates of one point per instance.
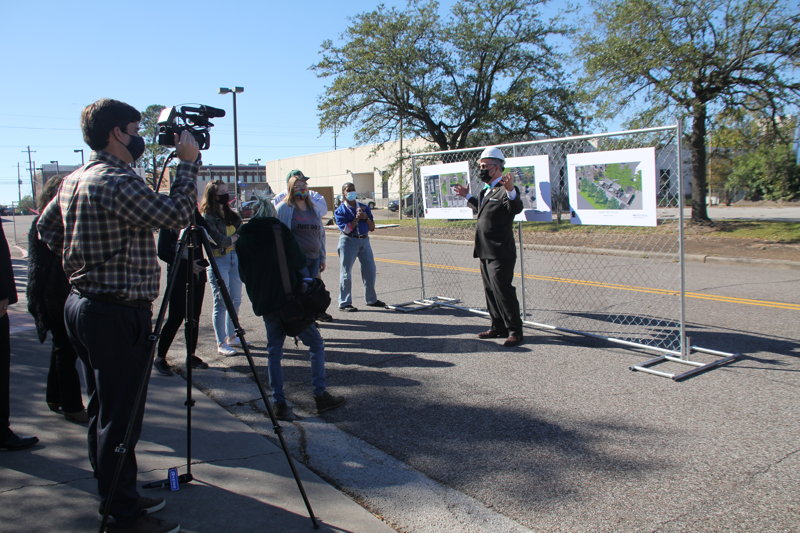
(57, 169)
(258, 178)
(234, 91)
(81, 151)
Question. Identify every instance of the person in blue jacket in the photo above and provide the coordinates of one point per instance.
(355, 222)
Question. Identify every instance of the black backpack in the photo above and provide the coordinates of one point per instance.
(304, 304)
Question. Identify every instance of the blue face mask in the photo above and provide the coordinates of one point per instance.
(352, 195)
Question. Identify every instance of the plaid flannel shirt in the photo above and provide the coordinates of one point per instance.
(102, 220)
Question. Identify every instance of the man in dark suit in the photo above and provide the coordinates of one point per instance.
(496, 206)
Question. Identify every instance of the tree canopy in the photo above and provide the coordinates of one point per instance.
(696, 57)
(154, 154)
(484, 74)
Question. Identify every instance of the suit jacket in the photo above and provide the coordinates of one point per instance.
(494, 232)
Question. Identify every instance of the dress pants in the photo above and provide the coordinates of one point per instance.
(112, 341)
(63, 383)
(501, 296)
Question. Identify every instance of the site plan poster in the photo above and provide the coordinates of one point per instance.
(438, 195)
(615, 188)
(532, 178)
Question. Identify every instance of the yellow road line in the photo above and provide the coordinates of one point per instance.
(616, 286)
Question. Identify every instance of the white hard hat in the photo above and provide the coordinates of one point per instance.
(494, 153)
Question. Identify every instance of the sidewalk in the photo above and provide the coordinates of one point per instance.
(242, 479)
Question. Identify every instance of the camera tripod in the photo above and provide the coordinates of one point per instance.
(188, 241)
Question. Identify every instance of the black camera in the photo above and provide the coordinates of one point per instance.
(194, 119)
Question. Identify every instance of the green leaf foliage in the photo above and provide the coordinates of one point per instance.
(154, 154)
(693, 57)
(483, 74)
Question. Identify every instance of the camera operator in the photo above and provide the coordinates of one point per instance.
(101, 223)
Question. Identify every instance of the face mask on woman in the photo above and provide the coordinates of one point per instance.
(352, 195)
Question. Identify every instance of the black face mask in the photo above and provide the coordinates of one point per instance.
(223, 198)
(135, 146)
(483, 175)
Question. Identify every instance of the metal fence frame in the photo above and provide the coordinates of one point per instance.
(681, 348)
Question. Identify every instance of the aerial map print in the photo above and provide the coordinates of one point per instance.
(532, 176)
(611, 186)
(614, 188)
(439, 198)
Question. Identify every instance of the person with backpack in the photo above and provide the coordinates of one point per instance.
(264, 242)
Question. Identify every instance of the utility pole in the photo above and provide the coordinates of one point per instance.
(30, 167)
(19, 184)
(400, 201)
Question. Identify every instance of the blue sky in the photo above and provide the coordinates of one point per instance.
(58, 56)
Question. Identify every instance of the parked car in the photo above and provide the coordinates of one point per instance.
(246, 209)
(407, 202)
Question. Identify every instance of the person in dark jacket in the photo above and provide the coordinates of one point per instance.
(47, 291)
(260, 271)
(496, 206)
(167, 246)
(8, 296)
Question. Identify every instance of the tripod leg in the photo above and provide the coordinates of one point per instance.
(240, 333)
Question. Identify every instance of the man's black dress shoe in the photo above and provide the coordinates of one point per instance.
(13, 442)
(513, 340)
(491, 334)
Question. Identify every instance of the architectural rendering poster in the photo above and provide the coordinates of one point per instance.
(532, 178)
(616, 188)
(438, 197)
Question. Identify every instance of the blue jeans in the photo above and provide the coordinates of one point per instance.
(350, 249)
(316, 351)
(228, 265)
(312, 267)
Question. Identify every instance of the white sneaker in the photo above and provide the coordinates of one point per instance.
(224, 349)
(234, 341)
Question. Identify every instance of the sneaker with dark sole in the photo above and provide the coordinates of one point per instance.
(146, 505)
(324, 317)
(282, 411)
(144, 524)
(326, 402)
(377, 303)
(196, 362)
(78, 417)
(162, 367)
(348, 308)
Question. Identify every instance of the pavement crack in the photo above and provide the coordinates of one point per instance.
(302, 442)
(52, 484)
(770, 466)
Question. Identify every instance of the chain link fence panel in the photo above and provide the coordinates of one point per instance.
(619, 282)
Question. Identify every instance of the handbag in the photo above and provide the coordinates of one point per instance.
(303, 305)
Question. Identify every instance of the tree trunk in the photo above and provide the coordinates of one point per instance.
(697, 144)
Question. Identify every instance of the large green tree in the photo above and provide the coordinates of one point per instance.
(693, 57)
(484, 73)
(752, 156)
(154, 154)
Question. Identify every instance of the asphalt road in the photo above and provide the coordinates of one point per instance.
(444, 432)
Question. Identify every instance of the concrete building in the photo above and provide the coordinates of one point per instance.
(366, 166)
